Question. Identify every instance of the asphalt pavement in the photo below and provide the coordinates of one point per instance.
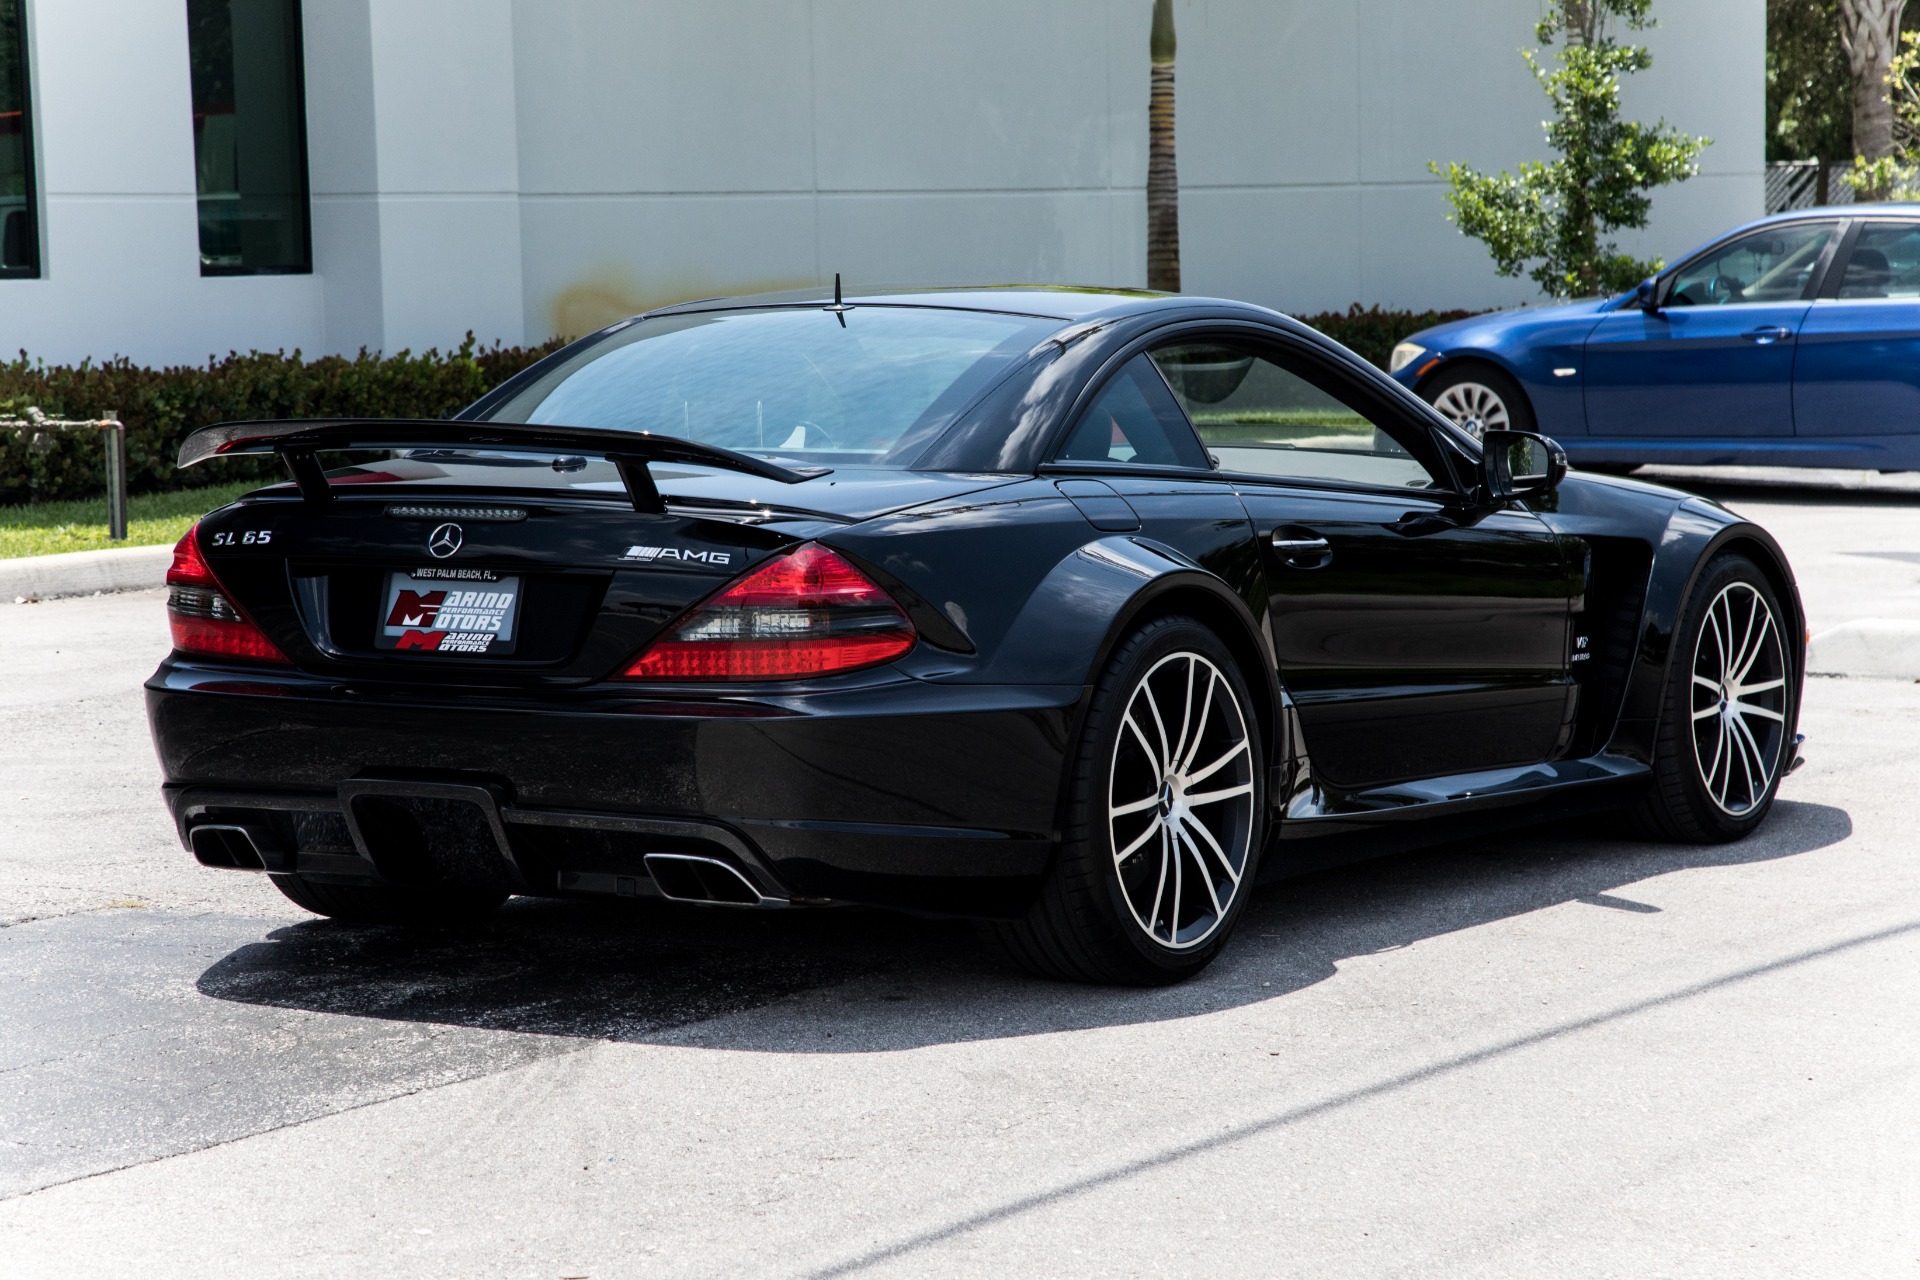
(1562, 1052)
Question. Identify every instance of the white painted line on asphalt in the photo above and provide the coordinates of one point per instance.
(1023, 1205)
(1867, 647)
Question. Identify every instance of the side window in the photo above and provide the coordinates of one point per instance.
(1134, 419)
(1773, 264)
(1258, 416)
(1884, 263)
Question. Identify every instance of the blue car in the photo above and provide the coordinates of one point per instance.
(1793, 341)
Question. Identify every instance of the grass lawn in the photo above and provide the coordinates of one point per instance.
(43, 528)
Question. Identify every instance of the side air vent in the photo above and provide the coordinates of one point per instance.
(475, 515)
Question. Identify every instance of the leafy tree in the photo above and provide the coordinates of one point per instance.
(1809, 87)
(1555, 215)
(1163, 183)
(1896, 176)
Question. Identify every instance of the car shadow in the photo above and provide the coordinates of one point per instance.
(647, 971)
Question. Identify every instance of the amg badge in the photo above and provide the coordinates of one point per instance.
(649, 554)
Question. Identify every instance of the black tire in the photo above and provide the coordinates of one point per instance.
(1084, 927)
(387, 904)
(1460, 378)
(1697, 794)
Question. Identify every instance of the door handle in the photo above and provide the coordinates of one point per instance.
(1766, 334)
(1301, 548)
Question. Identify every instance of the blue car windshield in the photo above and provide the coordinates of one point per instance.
(791, 383)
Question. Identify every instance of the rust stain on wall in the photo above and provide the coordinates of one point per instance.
(594, 302)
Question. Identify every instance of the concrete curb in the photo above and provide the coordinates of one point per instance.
(1868, 647)
(82, 573)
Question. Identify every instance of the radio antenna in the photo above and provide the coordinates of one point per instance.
(838, 308)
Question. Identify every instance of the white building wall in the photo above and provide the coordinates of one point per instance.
(521, 167)
(120, 250)
(673, 150)
(1305, 129)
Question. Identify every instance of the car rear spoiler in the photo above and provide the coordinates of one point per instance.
(298, 441)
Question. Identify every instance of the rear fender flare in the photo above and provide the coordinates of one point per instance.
(1694, 536)
(1098, 595)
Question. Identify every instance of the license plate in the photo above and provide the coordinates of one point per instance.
(450, 611)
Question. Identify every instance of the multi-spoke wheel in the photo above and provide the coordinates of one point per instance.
(1479, 398)
(1727, 727)
(1164, 818)
(1739, 699)
(1180, 811)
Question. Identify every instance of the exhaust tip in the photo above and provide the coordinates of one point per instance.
(229, 846)
(688, 877)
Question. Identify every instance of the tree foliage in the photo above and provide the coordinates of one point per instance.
(1896, 176)
(1552, 219)
(1809, 89)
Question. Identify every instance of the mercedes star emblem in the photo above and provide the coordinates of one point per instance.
(444, 541)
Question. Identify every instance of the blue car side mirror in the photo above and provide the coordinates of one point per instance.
(1646, 294)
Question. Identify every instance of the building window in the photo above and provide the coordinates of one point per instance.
(249, 136)
(19, 207)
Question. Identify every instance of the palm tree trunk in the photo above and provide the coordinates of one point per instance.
(1163, 181)
(1870, 33)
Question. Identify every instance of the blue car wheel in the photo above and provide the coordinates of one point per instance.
(1479, 398)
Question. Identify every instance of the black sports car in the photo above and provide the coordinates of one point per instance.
(1074, 611)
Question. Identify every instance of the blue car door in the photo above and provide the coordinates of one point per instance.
(1858, 371)
(1715, 358)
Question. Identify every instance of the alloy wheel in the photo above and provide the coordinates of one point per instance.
(1739, 699)
(1474, 407)
(1180, 800)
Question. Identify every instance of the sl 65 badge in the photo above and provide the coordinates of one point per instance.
(251, 538)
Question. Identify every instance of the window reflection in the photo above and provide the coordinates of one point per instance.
(1774, 264)
(249, 136)
(1259, 417)
(19, 212)
(1885, 263)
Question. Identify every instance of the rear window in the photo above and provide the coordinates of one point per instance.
(792, 383)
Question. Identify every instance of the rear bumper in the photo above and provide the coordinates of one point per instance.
(900, 793)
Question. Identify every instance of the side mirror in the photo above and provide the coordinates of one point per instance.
(1514, 464)
(1646, 294)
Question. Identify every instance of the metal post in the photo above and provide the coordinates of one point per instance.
(116, 439)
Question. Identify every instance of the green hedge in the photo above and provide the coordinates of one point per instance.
(160, 406)
(1371, 332)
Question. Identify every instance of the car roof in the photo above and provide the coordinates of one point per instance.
(1878, 209)
(1886, 209)
(1066, 303)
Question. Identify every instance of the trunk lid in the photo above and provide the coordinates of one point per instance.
(589, 580)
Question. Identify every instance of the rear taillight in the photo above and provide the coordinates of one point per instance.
(204, 620)
(809, 613)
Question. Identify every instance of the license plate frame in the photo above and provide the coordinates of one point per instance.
(450, 613)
